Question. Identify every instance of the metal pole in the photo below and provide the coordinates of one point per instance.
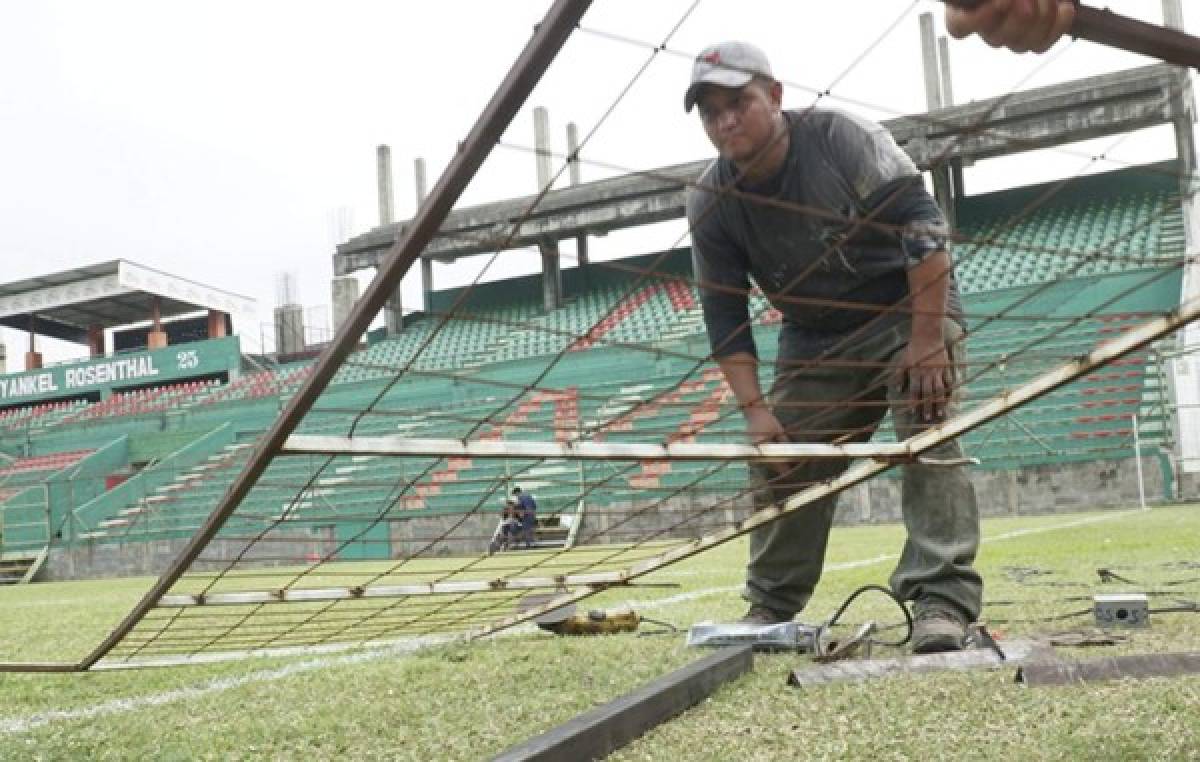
(548, 38)
(1137, 456)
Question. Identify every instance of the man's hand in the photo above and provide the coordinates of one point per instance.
(1019, 25)
(928, 377)
(762, 426)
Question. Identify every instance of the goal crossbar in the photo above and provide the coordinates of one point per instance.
(299, 444)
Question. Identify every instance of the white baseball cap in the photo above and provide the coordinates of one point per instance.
(726, 64)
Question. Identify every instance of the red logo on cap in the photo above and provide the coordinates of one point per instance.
(713, 58)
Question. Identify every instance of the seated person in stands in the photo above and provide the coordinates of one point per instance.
(527, 513)
(510, 527)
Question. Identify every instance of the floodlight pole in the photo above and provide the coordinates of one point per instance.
(548, 38)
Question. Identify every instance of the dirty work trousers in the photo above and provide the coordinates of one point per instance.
(850, 392)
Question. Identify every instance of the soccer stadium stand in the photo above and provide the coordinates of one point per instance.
(610, 362)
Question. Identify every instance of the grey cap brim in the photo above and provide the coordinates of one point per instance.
(719, 76)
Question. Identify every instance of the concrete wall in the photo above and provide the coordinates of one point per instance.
(92, 560)
(1032, 491)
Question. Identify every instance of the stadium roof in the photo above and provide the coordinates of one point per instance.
(63, 305)
(1109, 104)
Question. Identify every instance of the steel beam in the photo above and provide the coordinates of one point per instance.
(597, 733)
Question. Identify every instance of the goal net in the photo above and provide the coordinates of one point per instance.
(376, 507)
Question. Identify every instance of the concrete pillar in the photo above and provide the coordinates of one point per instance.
(581, 240)
(947, 77)
(958, 187)
(929, 60)
(427, 284)
(218, 322)
(943, 184)
(393, 314)
(422, 191)
(393, 311)
(156, 337)
(387, 199)
(345, 294)
(551, 275)
(551, 264)
(95, 338)
(33, 358)
(541, 141)
(1173, 14)
(289, 329)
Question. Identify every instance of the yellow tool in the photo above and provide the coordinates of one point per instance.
(595, 622)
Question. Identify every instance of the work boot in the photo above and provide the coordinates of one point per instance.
(938, 626)
(765, 615)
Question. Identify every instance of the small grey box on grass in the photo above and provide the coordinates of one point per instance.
(1122, 610)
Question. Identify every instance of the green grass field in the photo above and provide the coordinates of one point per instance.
(472, 700)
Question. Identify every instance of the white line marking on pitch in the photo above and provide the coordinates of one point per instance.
(17, 725)
(26, 724)
(658, 603)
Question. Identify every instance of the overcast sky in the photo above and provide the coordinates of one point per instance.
(230, 141)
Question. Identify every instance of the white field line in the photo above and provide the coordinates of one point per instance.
(658, 603)
(16, 725)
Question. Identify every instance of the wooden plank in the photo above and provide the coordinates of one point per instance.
(1132, 666)
(601, 731)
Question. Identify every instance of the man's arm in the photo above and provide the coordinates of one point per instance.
(724, 285)
(926, 363)
(1019, 25)
(741, 373)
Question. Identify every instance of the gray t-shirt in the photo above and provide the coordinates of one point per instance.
(802, 236)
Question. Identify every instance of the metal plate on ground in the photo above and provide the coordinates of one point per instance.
(1016, 653)
(1113, 668)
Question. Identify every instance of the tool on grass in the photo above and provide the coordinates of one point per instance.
(595, 622)
(799, 637)
(566, 620)
(1114, 30)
